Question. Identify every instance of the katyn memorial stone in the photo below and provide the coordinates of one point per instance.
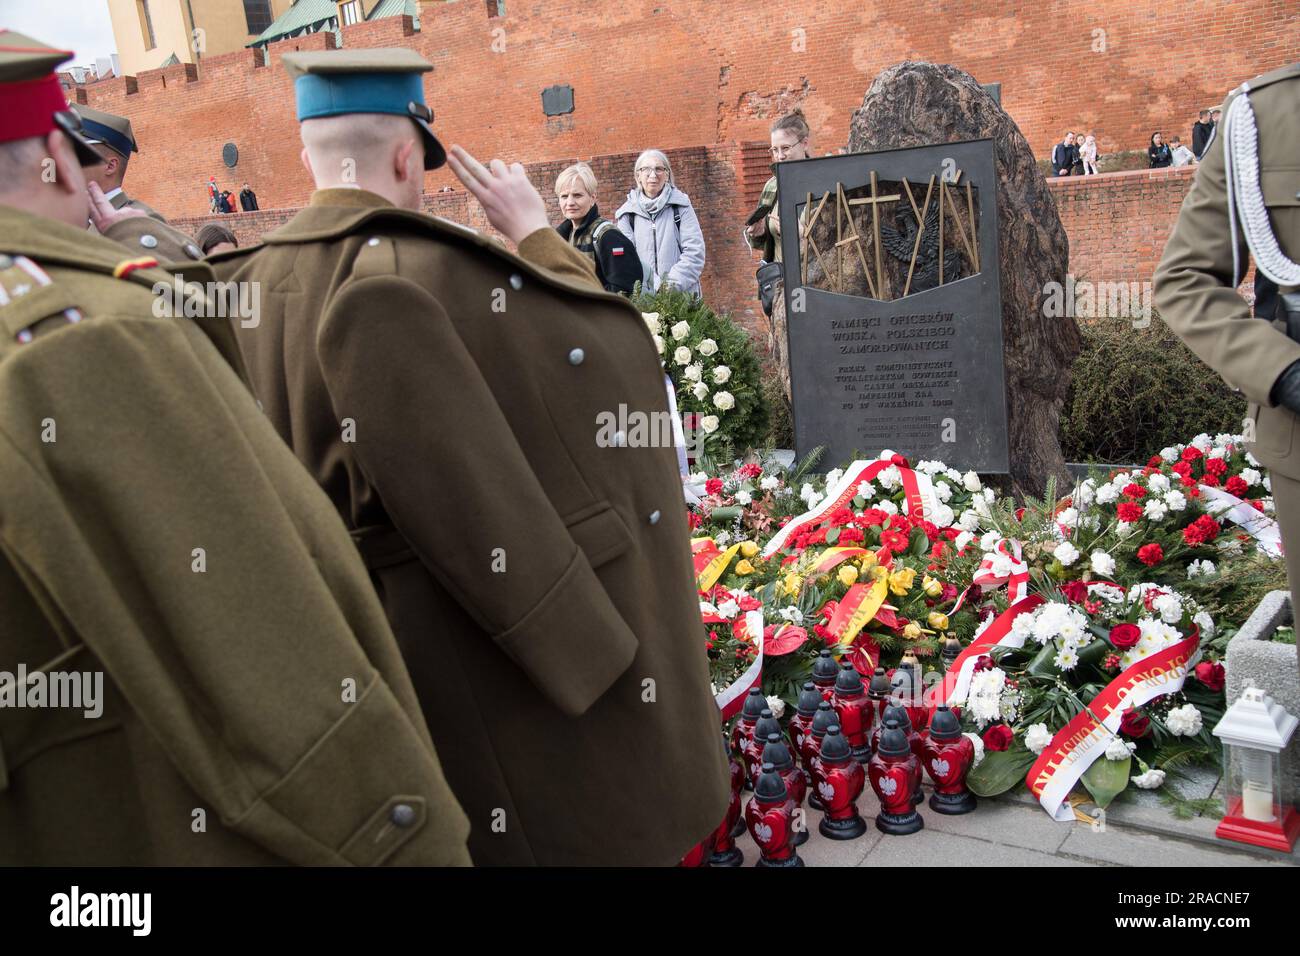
(893, 308)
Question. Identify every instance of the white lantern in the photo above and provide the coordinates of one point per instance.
(1255, 732)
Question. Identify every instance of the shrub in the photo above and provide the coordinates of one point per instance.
(744, 424)
(1137, 390)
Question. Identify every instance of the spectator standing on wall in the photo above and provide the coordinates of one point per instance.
(1064, 156)
(659, 218)
(1158, 153)
(790, 135)
(227, 203)
(618, 269)
(1201, 133)
(248, 198)
(1180, 153)
(1088, 155)
(214, 194)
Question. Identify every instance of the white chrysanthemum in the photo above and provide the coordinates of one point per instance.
(1102, 563)
(1203, 620)
(1037, 737)
(890, 479)
(700, 390)
(1022, 626)
(983, 700)
(770, 483)
(721, 375)
(866, 490)
(693, 372)
(743, 497)
(724, 400)
(833, 476)
(1119, 749)
(1158, 482)
(680, 331)
(1066, 553)
(979, 748)
(707, 347)
(1069, 517)
(1169, 454)
(1151, 780)
(943, 491)
(1184, 721)
(971, 481)
(888, 507)
(1066, 659)
(1251, 477)
(1106, 494)
(710, 424)
(1009, 707)
(1155, 509)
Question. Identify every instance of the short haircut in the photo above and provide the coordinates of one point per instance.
(19, 159)
(1175, 139)
(214, 234)
(793, 122)
(580, 172)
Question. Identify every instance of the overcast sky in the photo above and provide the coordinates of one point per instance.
(79, 25)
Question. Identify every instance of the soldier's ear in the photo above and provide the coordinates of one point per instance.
(402, 162)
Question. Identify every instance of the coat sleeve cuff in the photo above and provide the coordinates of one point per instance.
(546, 248)
(573, 645)
(369, 792)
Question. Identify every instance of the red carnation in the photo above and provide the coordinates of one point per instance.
(1182, 468)
(872, 517)
(1236, 485)
(1151, 554)
(1134, 723)
(1134, 490)
(752, 470)
(899, 523)
(818, 536)
(893, 540)
(1211, 675)
(1191, 453)
(1216, 466)
(952, 534)
(1129, 511)
(1124, 636)
(747, 602)
(1075, 591)
(998, 737)
(841, 516)
(713, 486)
(1210, 479)
(1154, 461)
(693, 520)
(852, 536)
(1257, 504)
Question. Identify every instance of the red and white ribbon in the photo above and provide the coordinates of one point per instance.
(1017, 576)
(1084, 739)
(953, 688)
(919, 499)
(1255, 523)
(731, 699)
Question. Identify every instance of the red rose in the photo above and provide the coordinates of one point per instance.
(1210, 673)
(984, 663)
(998, 737)
(1151, 554)
(1134, 723)
(1236, 485)
(713, 486)
(1129, 511)
(1075, 591)
(1216, 466)
(1191, 453)
(1134, 490)
(1124, 636)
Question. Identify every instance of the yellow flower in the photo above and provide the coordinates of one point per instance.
(847, 574)
(744, 567)
(937, 620)
(880, 572)
(912, 631)
(868, 560)
(900, 582)
(933, 587)
(792, 583)
(748, 549)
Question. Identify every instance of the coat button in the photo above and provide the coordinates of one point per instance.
(193, 252)
(402, 815)
(516, 282)
(372, 241)
(148, 241)
(654, 516)
(576, 356)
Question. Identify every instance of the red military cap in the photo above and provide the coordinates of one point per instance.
(31, 100)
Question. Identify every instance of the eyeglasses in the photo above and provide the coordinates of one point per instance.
(779, 151)
(654, 170)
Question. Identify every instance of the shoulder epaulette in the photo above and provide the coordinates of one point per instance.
(28, 296)
(1291, 72)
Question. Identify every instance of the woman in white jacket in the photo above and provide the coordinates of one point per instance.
(659, 218)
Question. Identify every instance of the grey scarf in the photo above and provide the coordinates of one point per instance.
(651, 207)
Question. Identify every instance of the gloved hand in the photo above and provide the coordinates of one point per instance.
(1286, 390)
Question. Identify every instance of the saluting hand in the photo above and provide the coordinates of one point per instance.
(102, 213)
(513, 206)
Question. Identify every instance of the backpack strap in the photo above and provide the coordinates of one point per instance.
(602, 227)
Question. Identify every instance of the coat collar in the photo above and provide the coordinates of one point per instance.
(47, 241)
(566, 230)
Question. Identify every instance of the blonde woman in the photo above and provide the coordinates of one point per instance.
(618, 268)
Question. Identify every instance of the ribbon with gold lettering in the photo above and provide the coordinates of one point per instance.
(841, 495)
(829, 559)
(709, 561)
(1084, 739)
(749, 627)
(856, 609)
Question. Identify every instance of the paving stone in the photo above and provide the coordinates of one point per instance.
(1007, 823)
(931, 847)
(1126, 846)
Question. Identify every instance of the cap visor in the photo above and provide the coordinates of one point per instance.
(86, 154)
(434, 154)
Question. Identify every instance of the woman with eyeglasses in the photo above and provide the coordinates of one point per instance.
(659, 218)
(790, 136)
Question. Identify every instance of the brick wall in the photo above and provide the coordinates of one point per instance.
(697, 73)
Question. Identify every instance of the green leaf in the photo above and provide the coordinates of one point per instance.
(1106, 779)
(920, 544)
(832, 536)
(859, 503)
(1000, 770)
(1043, 664)
(725, 513)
